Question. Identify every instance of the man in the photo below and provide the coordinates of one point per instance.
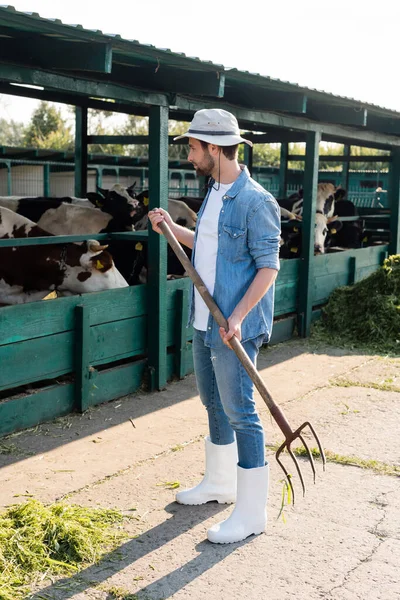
(235, 251)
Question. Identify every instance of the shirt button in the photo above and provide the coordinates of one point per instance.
(209, 328)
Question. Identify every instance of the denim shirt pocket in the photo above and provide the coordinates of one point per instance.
(233, 243)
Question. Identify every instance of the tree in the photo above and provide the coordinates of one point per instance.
(47, 129)
(11, 133)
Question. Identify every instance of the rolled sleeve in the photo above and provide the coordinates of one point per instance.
(264, 232)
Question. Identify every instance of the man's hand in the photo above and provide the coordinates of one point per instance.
(235, 328)
(156, 216)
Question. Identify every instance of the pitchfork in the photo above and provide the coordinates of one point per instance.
(237, 347)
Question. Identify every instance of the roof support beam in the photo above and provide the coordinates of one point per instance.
(340, 158)
(384, 124)
(128, 140)
(44, 52)
(171, 80)
(255, 120)
(86, 87)
(263, 99)
(342, 115)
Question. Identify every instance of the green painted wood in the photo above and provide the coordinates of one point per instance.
(81, 151)
(82, 350)
(338, 262)
(248, 117)
(114, 341)
(286, 298)
(248, 157)
(340, 269)
(128, 139)
(343, 115)
(394, 202)
(338, 158)
(115, 382)
(157, 246)
(309, 210)
(171, 79)
(50, 53)
(282, 330)
(49, 240)
(171, 364)
(181, 318)
(383, 124)
(46, 181)
(283, 169)
(346, 167)
(9, 180)
(255, 96)
(30, 410)
(352, 270)
(36, 360)
(81, 85)
(49, 317)
(72, 99)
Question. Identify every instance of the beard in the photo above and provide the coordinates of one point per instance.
(206, 167)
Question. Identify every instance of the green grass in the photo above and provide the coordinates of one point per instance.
(38, 541)
(374, 465)
(384, 387)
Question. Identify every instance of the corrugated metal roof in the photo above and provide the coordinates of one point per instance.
(231, 73)
(235, 80)
(114, 37)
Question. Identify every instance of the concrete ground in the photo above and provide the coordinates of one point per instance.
(340, 542)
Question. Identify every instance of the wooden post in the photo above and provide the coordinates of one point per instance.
(306, 283)
(157, 248)
(283, 168)
(81, 152)
(82, 346)
(9, 179)
(346, 168)
(394, 201)
(46, 181)
(99, 177)
(182, 313)
(248, 157)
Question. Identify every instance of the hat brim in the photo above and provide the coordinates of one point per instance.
(218, 140)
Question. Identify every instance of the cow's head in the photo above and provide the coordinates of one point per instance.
(117, 203)
(290, 241)
(340, 194)
(323, 226)
(90, 268)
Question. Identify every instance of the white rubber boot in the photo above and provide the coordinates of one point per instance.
(219, 482)
(250, 513)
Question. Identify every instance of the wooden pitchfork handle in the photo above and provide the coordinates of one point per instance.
(237, 347)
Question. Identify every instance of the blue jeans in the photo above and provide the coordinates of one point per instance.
(227, 393)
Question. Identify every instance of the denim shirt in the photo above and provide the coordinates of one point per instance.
(249, 229)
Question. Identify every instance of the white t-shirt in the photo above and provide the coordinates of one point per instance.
(205, 260)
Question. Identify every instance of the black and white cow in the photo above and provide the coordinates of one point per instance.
(352, 233)
(67, 216)
(30, 273)
(325, 220)
(80, 216)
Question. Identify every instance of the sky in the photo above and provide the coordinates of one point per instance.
(346, 47)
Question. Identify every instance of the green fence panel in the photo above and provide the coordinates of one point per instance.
(39, 319)
(36, 360)
(110, 342)
(30, 410)
(115, 382)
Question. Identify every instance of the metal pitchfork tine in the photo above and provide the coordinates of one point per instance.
(237, 347)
